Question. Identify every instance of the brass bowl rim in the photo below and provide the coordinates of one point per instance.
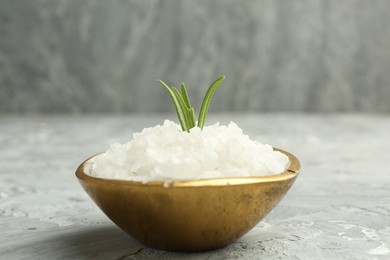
(291, 172)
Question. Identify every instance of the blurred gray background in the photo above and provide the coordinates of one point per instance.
(67, 56)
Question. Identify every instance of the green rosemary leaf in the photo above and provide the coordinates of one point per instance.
(184, 94)
(206, 101)
(183, 107)
(191, 111)
(192, 117)
(180, 113)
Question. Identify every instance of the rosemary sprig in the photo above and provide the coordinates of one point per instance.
(185, 112)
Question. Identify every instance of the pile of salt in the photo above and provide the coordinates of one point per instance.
(167, 153)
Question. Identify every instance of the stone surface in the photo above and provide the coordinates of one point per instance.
(339, 207)
(104, 56)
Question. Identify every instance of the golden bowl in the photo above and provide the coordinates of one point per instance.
(189, 215)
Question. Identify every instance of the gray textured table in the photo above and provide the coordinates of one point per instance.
(339, 208)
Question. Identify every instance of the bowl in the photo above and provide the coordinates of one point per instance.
(189, 215)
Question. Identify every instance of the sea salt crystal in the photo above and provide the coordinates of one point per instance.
(165, 153)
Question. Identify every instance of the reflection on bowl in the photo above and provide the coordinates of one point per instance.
(189, 215)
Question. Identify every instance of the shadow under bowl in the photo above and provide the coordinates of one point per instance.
(189, 215)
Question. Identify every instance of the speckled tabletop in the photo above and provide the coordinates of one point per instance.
(339, 207)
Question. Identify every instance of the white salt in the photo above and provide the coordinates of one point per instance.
(167, 153)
